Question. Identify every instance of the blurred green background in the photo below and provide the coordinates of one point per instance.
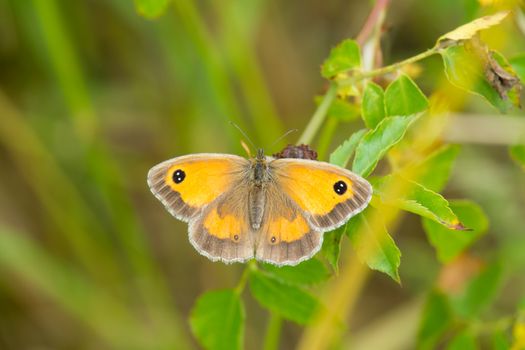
(92, 95)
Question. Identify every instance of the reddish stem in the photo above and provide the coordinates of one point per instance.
(370, 23)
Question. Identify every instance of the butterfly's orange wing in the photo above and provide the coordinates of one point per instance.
(329, 195)
(286, 236)
(223, 231)
(206, 191)
(187, 184)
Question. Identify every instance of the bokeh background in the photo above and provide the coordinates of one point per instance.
(92, 95)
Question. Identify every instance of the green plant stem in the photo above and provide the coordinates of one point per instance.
(387, 69)
(319, 116)
(326, 137)
(273, 332)
(252, 265)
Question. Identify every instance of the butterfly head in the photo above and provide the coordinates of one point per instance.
(260, 155)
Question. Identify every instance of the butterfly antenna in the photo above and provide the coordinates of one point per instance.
(282, 137)
(243, 134)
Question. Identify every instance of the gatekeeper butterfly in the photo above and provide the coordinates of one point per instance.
(272, 209)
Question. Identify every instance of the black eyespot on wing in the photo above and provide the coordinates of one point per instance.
(340, 187)
(273, 239)
(179, 176)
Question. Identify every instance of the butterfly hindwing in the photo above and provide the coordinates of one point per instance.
(222, 231)
(286, 237)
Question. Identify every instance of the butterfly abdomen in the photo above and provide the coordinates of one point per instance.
(257, 202)
(257, 191)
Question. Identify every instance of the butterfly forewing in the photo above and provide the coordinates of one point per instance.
(187, 184)
(330, 195)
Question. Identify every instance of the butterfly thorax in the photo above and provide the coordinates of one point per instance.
(259, 169)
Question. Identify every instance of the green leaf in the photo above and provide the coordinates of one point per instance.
(332, 247)
(403, 97)
(376, 143)
(373, 105)
(308, 272)
(436, 319)
(343, 57)
(419, 200)
(217, 320)
(343, 153)
(434, 171)
(374, 245)
(479, 292)
(151, 8)
(465, 70)
(517, 152)
(289, 301)
(463, 341)
(518, 65)
(450, 243)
